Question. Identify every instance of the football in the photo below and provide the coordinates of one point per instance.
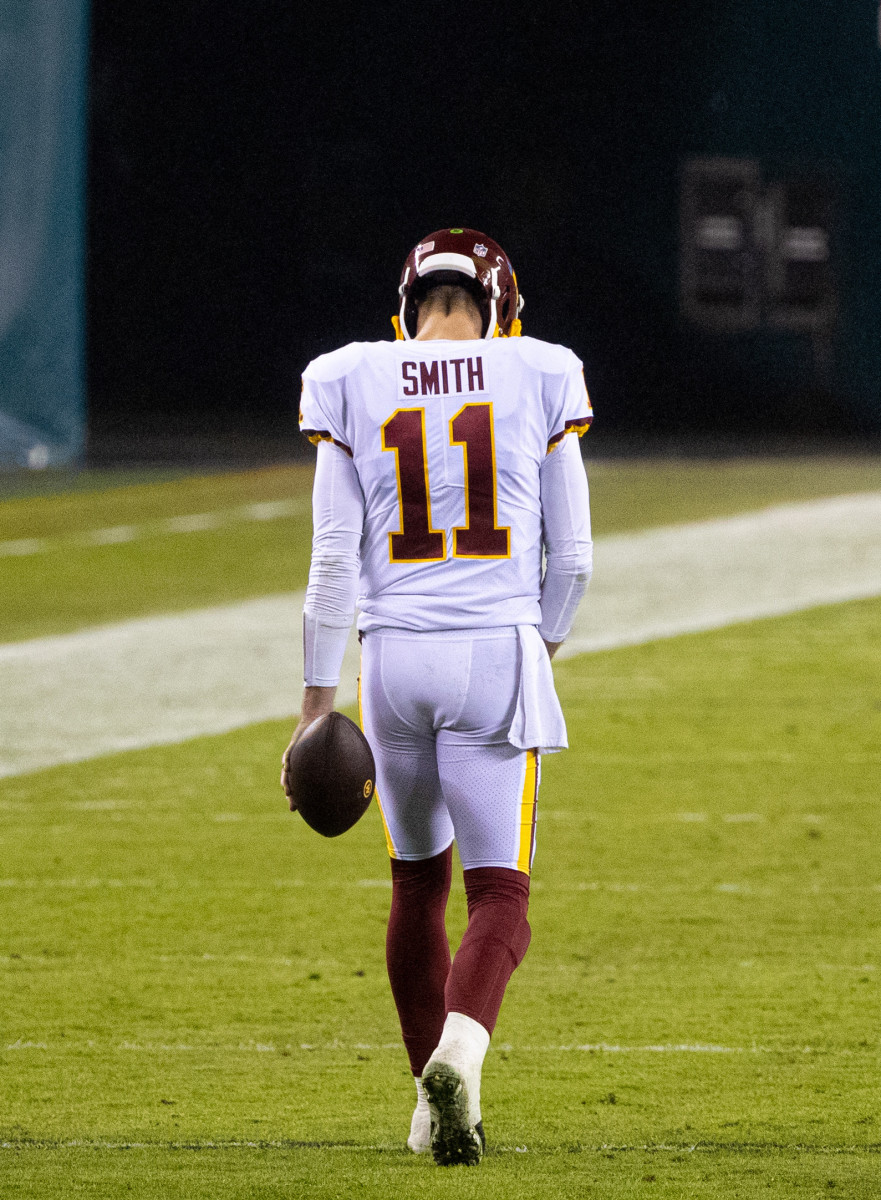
(332, 775)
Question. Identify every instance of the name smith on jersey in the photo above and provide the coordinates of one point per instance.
(441, 377)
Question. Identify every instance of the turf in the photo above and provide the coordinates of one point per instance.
(18, 483)
(69, 586)
(322, 1173)
(187, 968)
(193, 986)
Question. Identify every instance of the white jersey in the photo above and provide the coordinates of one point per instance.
(447, 438)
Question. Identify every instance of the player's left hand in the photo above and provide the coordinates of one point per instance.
(286, 787)
(317, 702)
(302, 725)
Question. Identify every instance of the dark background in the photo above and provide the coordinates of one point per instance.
(257, 175)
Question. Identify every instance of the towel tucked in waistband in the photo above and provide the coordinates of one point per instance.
(538, 722)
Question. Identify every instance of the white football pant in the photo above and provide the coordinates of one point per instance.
(436, 708)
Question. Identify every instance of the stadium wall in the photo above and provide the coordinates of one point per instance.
(42, 150)
(792, 92)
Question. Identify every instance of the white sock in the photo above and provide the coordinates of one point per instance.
(419, 1140)
(463, 1045)
(468, 1035)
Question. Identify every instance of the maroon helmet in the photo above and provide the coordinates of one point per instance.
(470, 259)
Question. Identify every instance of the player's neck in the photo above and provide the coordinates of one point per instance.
(457, 326)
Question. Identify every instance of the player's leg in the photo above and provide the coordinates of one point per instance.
(418, 961)
(494, 944)
(490, 788)
(419, 835)
(502, 782)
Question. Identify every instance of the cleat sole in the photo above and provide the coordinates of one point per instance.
(454, 1140)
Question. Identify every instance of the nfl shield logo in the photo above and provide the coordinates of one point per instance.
(480, 250)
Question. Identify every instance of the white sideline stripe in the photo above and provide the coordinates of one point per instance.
(687, 578)
(152, 681)
(267, 510)
(397, 1047)
(166, 679)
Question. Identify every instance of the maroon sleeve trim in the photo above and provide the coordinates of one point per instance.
(580, 425)
(324, 435)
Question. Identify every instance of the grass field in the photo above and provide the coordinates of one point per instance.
(194, 996)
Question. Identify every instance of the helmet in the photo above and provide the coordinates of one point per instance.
(469, 259)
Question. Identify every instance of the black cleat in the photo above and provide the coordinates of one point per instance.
(454, 1140)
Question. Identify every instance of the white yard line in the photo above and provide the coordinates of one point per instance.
(268, 510)
(170, 678)
(35, 1145)
(337, 1046)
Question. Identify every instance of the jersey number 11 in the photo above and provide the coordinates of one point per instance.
(480, 536)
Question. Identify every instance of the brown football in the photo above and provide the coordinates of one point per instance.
(332, 774)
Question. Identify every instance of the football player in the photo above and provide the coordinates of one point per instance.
(451, 508)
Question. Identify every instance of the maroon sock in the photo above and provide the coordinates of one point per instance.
(417, 951)
(494, 943)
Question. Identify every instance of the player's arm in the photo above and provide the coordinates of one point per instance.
(337, 522)
(565, 506)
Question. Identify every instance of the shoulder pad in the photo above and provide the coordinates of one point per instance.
(328, 367)
(547, 357)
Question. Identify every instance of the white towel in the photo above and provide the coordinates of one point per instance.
(538, 719)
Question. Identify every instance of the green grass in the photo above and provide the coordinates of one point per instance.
(338, 1174)
(71, 586)
(639, 494)
(19, 483)
(185, 963)
(192, 984)
(52, 515)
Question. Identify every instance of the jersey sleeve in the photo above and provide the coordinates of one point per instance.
(329, 608)
(565, 506)
(321, 411)
(568, 407)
